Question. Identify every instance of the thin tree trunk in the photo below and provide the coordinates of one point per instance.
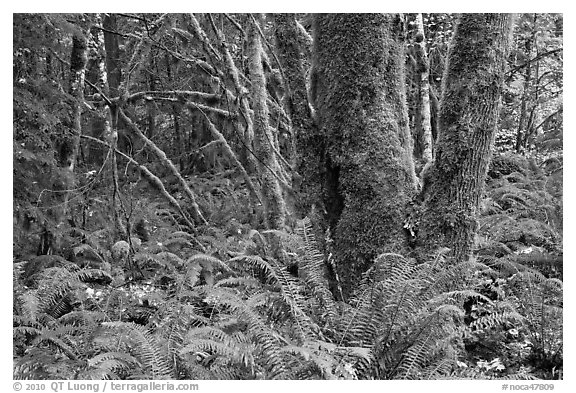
(248, 138)
(274, 204)
(358, 91)
(112, 45)
(109, 131)
(78, 62)
(469, 108)
(151, 106)
(423, 91)
(70, 145)
(175, 118)
(522, 131)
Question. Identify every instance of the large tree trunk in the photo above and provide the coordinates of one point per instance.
(469, 109)
(359, 96)
(269, 167)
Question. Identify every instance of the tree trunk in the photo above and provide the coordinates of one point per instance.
(78, 60)
(269, 167)
(358, 92)
(469, 109)
(109, 133)
(308, 142)
(423, 91)
(520, 134)
(247, 157)
(112, 45)
(175, 119)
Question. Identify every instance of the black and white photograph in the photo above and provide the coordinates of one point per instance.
(287, 196)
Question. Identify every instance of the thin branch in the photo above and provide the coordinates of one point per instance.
(217, 111)
(219, 137)
(154, 181)
(204, 66)
(198, 217)
(540, 56)
(104, 96)
(113, 32)
(201, 35)
(220, 112)
(184, 93)
(307, 37)
(273, 54)
(548, 118)
(241, 93)
(236, 24)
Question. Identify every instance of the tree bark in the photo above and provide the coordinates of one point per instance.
(308, 142)
(522, 129)
(78, 61)
(358, 92)
(110, 133)
(248, 158)
(469, 109)
(423, 91)
(112, 45)
(269, 167)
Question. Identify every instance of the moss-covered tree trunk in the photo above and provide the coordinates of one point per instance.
(469, 109)
(308, 141)
(359, 96)
(268, 165)
(109, 131)
(70, 145)
(78, 61)
(422, 64)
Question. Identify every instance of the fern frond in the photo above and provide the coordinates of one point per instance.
(322, 361)
(266, 339)
(495, 319)
(246, 282)
(312, 266)
(147, 349)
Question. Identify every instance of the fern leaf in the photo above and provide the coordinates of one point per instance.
(148, 350)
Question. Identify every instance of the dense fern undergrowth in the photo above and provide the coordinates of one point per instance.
(233, 302)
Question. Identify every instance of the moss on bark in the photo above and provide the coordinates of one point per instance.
(469, 108)
(306, 134)
(361, 109)
(269, 167)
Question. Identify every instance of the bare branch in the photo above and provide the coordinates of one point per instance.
(219, 137)
(236, 24)
(511, 72)
(154, 181)
(197, 215)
